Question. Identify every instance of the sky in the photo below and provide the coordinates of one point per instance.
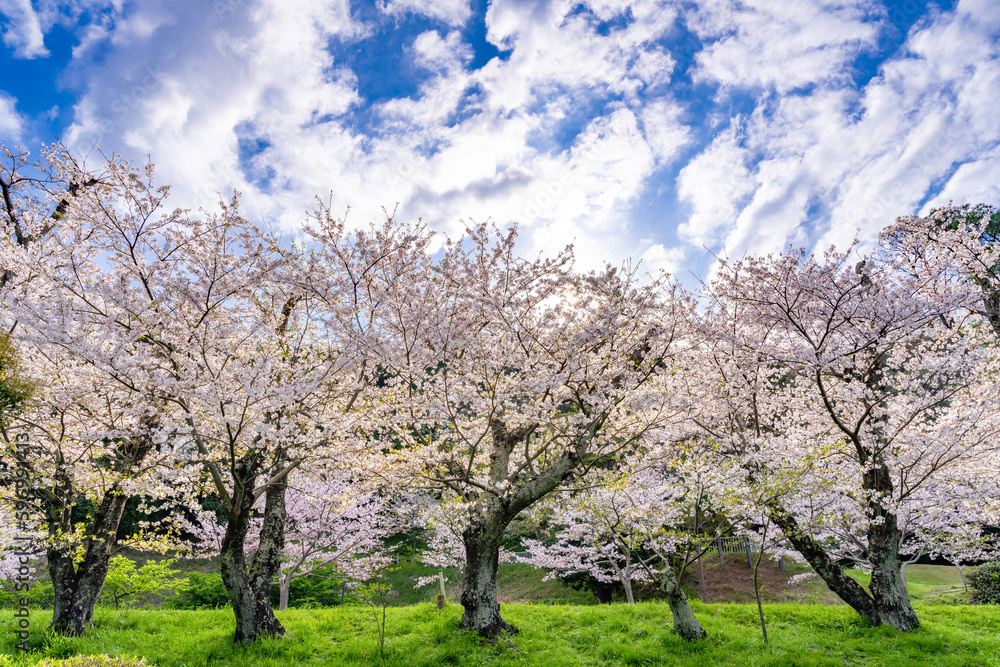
(667, 131)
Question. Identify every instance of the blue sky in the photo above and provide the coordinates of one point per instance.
(660, 130)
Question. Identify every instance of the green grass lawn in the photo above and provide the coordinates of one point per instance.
(926, 582)
(516, 582)
(559, 635)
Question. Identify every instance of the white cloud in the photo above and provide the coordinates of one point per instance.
(973, 182)
(783, 44)
(462, 147)
(714, 184)
(23, 32)
(28, 22)
(565, 133)
(814, 169)
(437, 53)
(188, 96)
(665, 130)
(661, 258)
(556, 51)
(11, 122)
(453, 12)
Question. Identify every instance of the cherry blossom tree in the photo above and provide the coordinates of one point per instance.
(328, 522)
(647, 523)
(265, 372)
(509, 377)
(860, 382)
(242, 354)
(959, 241)
(91, 434)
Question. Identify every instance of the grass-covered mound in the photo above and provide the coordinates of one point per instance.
(559, 635)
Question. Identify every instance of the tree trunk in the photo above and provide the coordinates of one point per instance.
(685, 622)
(625, 577)
(849, 590)
(77, 588)
(492, 514)
(482, 555)
(283, 585)
(756, 580)
(249, 584)
(888, 588)
(629, 596)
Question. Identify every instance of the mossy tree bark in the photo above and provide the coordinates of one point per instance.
(77, 586)
(248, 581)
(685, 622)
(492, 512)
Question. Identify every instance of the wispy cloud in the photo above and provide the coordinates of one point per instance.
(648, 129)
(22, 30)
(11, 122)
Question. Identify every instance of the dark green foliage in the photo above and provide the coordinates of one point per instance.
(206, 591)
(203, 591)
(140, 509)
(603, 591)
(985, 583)
(321, 590)
(39, 596)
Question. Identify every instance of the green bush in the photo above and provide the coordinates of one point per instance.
(985, 583)
(203, 591)
(206, 591)
(39, 596)
(319, 590)
(127, 583)
(95, 661)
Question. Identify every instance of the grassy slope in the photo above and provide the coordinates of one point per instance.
(925, 582)
(523, 583)
(564, 635)
(516, 582)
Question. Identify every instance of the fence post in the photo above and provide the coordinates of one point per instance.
(781, 563)
(702, 589)
(722, 561)
(440, 598)
(746, 545)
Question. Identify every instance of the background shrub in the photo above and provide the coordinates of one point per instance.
(985, 583)
(203, 591)
(206, 591)
(39, 596)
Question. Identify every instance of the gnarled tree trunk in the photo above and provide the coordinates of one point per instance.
(77, 588)
(849, 590)
(685, 622)
(492, 514)
(888, 587)
(249, 582)
(479, 597)
(889, 602)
